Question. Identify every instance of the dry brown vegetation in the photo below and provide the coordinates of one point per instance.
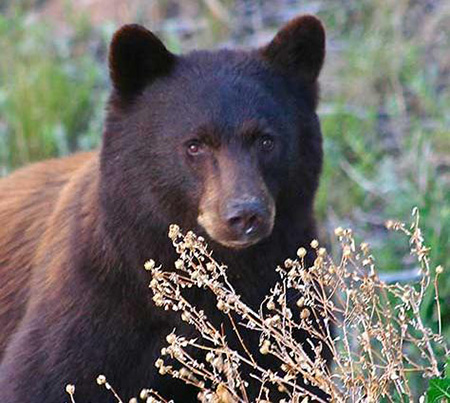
(381, 339)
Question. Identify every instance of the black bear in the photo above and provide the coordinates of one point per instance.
(226, 143)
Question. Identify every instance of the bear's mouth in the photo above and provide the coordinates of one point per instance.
(219, 232)
(238, 245)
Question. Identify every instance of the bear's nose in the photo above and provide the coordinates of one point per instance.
(245, 218)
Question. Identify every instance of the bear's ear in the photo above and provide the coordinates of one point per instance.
(137, 57)
(298, 48)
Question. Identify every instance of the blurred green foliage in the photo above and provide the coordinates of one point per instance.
(384, 111)
(387, 126)
(387, 129)
(51, 92)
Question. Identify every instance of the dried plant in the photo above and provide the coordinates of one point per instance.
(146, 395)
(377, 324)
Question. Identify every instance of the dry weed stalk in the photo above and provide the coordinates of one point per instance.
(376, 322)
(146, 395)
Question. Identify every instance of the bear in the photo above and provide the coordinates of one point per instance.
(226, 143)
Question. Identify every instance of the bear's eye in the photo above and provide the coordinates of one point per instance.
(267, 143)
(194, 147)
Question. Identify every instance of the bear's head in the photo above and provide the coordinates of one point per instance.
(223, 142)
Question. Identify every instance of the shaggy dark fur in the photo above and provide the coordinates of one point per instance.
(225, 143)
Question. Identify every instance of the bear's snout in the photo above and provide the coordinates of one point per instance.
(236, 209)
(247, 219)
(239, 222)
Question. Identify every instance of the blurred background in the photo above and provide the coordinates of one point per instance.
(385, 106)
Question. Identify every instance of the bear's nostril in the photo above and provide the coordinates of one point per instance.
(235, 222)
(252, 224)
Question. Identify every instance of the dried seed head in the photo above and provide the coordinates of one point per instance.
(364, 247)
(185, 373)
(210, 356)
(276, 319)
(224, 396)
(101, 379)
(265, 347)
(217, 363)
(347, 252)
(288, 263)
(301, 302)
(305, 313)
(171, 338)
(149, 265)
(318, 262)
(292, 273)
(144, 394)
(70, 389)
(174, 230)
(301, 252)
(439, 269)
(314, 243)
(339, 231)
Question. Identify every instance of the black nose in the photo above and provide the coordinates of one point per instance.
(245, 218)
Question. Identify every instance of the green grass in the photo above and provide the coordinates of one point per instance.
(51, 92)
(387, 132)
